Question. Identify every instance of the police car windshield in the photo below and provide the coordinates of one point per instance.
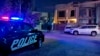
(9, 26)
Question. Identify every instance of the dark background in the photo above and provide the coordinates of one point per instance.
(44, 5)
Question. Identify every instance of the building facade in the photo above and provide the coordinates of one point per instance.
(77, 14)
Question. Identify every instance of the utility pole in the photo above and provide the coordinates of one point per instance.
(20, 5)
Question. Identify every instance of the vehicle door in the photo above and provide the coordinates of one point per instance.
(83, 29)
(30, 36)
(18, 37)
(25, 38)
(13, 36)
(90, 29)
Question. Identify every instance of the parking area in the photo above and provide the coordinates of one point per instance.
(84, 37)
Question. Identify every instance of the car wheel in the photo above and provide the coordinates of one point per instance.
(93, 33)
(38, 44)
(75, 32)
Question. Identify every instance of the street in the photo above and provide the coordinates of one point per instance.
(60, 44)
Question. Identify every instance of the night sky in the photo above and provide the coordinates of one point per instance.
(53, 2)
(1, 3)
(44, 4)
(41, 5)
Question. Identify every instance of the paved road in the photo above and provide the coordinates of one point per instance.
(60, 44)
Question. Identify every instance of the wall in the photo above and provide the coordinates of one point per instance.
(98, 15)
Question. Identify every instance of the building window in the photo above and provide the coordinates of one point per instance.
(90, 12)
(61, 13)
(90, 22)
(82, 12)
(72, 13)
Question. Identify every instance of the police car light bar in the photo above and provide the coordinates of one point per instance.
(16, 18)
(5, 18)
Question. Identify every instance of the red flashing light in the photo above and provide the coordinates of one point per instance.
(5, 18)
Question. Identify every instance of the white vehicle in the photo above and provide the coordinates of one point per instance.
(93, 30)
(68, 28)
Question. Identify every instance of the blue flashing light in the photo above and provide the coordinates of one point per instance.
(16, 18)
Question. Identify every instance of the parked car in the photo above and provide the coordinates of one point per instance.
(68, 28)
(15, 35)
(92, 30)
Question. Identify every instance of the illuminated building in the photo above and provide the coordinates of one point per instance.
(77, 13)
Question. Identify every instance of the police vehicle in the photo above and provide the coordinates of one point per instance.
(15, 34)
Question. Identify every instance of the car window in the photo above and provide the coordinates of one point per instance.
(91, 26)
(83, 27)
(6, 27)
(88, 27)
(16, 27)
(26, 27)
